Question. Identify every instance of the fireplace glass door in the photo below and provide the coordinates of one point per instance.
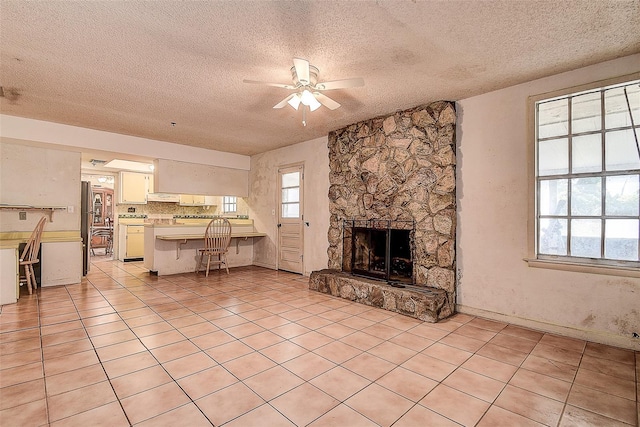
(381, 253)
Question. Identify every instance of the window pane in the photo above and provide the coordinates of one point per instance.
(553, 237)
(586, 153)
(290, 210)
(586, 196)
(616, 109)
(553, 197)
(621, 151)
(291, 195)
(622, 195)
(621, 239)
(585, 113)
(291, 179)
(553, 157)
(553, 118)
(586, 237)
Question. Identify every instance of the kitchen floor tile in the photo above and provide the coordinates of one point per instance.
(380, 405)
(340, 383)
(304, 404)
(342, 415)
(605, 404)
(257, 347)
(139, 381)
(148, 404)
(229, 403)
(530, 405)
(273, 382)
(407, 383)
(455, 405)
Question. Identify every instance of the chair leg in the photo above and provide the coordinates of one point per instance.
(208, 264)
(199, 266)
(27, 273)
(34, 282)
(225, 263)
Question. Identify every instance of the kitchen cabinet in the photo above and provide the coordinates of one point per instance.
(134, 187)
(191, 200)
(197, 200)
(102, 205)
(131, 241)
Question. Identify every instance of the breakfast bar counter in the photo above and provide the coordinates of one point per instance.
(173, 248)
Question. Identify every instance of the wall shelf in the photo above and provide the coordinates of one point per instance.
(49, 210)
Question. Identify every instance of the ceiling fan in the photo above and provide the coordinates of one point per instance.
(308, 91)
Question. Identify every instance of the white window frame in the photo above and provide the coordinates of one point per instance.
(229, 204)
(561, 262)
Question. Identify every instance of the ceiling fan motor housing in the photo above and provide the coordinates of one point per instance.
(313, 77)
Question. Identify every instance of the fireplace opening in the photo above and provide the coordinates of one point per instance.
(379, 249)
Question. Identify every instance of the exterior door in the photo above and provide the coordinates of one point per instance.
(290, 219)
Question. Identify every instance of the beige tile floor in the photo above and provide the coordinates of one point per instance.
(257, 348)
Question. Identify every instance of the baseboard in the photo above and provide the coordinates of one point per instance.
(261, 264)
(584, 334)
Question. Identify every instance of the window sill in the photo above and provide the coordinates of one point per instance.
(583, 268)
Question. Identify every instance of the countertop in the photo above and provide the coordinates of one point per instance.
(233, 221)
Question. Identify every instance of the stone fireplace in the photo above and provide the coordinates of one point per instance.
(396, 169)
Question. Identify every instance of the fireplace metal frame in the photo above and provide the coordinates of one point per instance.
(383, 225)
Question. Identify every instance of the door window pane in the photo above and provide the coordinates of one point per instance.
(553, 157)
(553, 197)
(616, 109)
(290, 210)
(585, 113)
(553, 118)
(291, 179)
(621, 239)
(622, 195)
(621, 151)
(586, 198)
(586, 237)
(291, 194)
(586, 153)
(553, 237)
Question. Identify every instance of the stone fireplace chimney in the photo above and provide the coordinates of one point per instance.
(400, 168)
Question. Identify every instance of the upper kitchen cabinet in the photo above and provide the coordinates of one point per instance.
(197, 200)
(134, 187)
(191, 200)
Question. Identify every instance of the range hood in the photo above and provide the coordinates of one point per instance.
(163, 197)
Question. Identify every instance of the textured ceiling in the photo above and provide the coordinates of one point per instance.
(134, 67)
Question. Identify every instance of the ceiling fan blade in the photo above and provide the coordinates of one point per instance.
(326, 101)
(302, 70)
(340, 84)
(269, 84)
(284, 101)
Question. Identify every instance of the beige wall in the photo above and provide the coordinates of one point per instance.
(493, 214)
(39, 177)
(263, 199)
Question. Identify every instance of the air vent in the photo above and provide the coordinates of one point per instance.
(96, 162)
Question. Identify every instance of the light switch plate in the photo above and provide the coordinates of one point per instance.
(70, 209)
(23, 216)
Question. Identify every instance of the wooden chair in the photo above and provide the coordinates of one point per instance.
(216, 244)
(29, 255)
(102, 238)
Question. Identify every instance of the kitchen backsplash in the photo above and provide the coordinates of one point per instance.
(154, 208)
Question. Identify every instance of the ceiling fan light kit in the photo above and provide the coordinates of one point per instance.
(305, 83)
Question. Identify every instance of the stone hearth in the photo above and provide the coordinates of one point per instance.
(399, 167)
(428, 304)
